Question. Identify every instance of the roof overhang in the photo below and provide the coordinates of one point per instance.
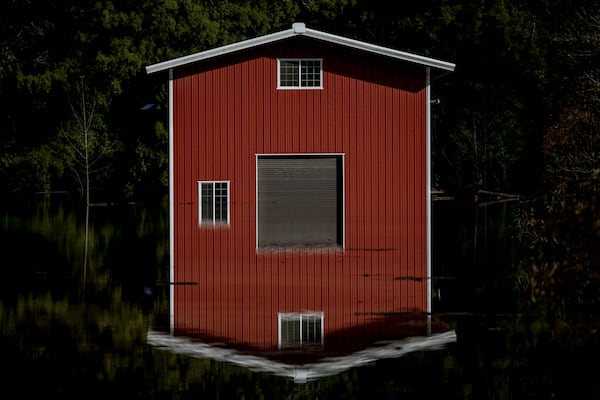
(299, 29)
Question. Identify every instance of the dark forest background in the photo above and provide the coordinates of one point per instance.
(520, 115)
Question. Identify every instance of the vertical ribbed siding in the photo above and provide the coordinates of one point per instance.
(370, 110)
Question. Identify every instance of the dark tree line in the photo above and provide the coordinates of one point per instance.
(560, 230)
(492, 126)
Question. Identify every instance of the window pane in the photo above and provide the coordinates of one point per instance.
(311, 73)
(206, 204)
(288, 73)
(311, 329)
(290, 331)
(221, 202)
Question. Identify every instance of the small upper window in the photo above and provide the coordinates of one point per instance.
(300, 73)
(213, 203)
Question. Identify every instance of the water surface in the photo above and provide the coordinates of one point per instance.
(63, 336)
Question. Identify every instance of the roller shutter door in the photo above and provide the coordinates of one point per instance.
(299, 201)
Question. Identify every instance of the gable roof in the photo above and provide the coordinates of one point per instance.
(296, 30)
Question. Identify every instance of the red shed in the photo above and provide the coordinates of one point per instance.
(299, 187)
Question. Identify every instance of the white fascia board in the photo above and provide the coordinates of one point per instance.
(300, 29)
(219, 51)
(384, 51)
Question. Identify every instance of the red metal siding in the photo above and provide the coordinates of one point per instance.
(372, 110)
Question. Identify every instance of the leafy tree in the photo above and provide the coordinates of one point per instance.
(561, 231)
(492, 108)
(488, 125)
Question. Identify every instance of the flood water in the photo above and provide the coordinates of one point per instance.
(70, 329)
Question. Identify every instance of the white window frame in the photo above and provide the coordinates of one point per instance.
(299, 87)
(213, 222)
(281, 317)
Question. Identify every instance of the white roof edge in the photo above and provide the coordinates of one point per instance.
(230, 48)
(300, 373)
(300, 29)
(386, 51)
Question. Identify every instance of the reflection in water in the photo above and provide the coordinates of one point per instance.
(300, 373)
(67, 348)
(306, 345)
(55, 346)
(473, 256)
(45, 249)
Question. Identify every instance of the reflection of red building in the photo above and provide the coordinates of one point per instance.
(299, 188)
(301, 367)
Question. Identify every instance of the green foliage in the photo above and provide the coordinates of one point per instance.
(238, 20)
(49, 48)
(487, 128)
(492, 109)
(151, 163)
(558, 266)
(560, 233)
(30, 169)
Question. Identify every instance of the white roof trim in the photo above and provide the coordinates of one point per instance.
(300, 373)
(300, 29)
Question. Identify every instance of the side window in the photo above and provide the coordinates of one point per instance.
(213, 199)
(300, 329)
(300, 73)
